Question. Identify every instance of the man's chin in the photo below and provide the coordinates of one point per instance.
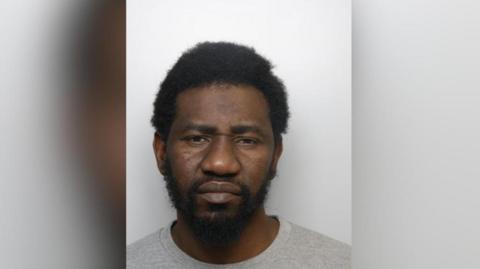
(218, 215)
(217, 228)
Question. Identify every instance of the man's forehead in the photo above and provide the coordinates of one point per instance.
(223, 108)
(230, 102)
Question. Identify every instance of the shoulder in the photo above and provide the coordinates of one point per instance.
(317, 250)
(146, 252)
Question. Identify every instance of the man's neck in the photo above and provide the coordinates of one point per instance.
(257, 235)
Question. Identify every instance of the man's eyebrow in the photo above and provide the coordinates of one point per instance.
(241, 129)
(208, 129)
(202, 128)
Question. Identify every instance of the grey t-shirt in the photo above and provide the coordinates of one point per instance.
(294, 247)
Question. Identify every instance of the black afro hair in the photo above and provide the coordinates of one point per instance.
(223, 63)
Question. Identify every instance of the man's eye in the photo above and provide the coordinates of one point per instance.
(196, 140)
(247, 141)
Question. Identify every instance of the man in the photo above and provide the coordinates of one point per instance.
(219, 118)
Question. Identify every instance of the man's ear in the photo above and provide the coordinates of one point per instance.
(160, 150)
(277, 152)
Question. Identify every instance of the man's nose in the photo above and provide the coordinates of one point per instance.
(221, 159)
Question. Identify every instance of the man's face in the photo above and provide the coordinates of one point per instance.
(219, 157)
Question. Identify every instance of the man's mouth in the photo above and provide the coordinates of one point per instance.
(219, 192)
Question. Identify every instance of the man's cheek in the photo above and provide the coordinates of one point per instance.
(258, 172)
(185, 171)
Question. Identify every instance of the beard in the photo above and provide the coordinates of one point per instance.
(224, 228)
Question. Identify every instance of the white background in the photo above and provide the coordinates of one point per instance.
(416, 130)
(309, 43)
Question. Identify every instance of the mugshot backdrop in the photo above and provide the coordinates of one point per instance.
(309, 44)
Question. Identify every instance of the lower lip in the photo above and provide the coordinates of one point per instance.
(218, 197)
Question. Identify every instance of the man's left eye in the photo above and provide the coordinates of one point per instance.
(246, 141)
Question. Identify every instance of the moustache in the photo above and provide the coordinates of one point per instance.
(218, 184)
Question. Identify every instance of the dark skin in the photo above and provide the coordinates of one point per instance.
(225, 131)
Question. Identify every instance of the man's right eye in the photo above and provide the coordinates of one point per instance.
(196, 140)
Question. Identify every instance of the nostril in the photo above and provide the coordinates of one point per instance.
(220, 177)
(221, 168)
